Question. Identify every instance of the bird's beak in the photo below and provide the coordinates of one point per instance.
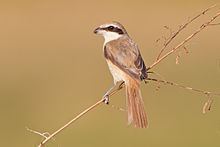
(96, 30)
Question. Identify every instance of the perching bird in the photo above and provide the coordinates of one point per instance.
(126, 64)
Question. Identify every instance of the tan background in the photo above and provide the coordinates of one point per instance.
(52, 67)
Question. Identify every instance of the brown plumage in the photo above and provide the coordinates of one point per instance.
(124, 58)
(135, 104)
(124, 53)
(126, 64)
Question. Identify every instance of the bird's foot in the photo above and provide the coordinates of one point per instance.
(106, 99)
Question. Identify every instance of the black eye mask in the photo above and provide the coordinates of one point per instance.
(114, 29)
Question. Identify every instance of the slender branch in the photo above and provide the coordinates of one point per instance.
(47, 138)
(38, 133)
(207, 93)
(214, 24)
(207, 105)
(182, 27)
(203, 26)
(69, 123)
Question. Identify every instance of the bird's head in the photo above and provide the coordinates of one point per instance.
(111, 31)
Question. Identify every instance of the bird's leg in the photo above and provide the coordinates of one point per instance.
(106, 95)
(112, 90)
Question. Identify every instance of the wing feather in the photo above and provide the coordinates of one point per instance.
(124, 53)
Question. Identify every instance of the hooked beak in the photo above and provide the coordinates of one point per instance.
(96, 30)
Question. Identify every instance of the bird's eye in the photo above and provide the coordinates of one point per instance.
(111, 27)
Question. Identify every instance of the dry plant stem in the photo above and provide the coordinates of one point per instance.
(182, 27)
(206, 107)
(184, 41)
(75, 118)
(38, 133)
(207, 93)
(214, 24)
(70, 122)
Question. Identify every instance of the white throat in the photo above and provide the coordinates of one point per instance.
(109, 36)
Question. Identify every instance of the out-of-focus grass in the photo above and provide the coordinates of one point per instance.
(52, 68)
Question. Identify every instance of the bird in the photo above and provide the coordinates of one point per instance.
(127, 66)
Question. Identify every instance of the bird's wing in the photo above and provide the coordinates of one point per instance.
(124, 53)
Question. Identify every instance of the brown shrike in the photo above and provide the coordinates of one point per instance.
(126, 65)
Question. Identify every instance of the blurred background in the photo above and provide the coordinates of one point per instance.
(52, 68)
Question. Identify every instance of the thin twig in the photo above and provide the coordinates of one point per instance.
(38, 133)
(214, 24)
(47, 138)
(207, 106)
(182, 27)
(69, 123)
(184, 41)
(184, 87)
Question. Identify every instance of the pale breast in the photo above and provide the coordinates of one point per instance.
(118, 75)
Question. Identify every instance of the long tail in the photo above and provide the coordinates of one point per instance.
(135, 104)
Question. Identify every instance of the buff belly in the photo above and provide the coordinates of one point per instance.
(118, 74)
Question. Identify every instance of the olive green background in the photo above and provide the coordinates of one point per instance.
(52, 68)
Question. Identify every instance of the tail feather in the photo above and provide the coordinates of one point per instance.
(135, 105)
